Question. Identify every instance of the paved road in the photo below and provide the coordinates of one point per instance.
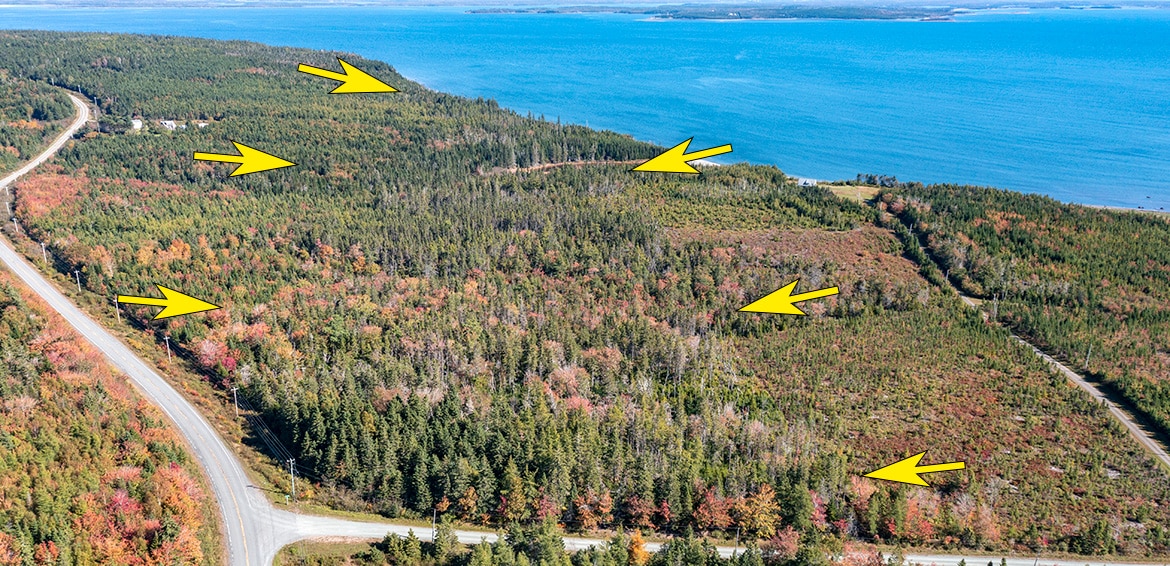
(82, 116)
(255, 530)
(982, 560)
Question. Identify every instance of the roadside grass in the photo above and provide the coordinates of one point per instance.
(326, 552)
(216, 405)
(266, 474)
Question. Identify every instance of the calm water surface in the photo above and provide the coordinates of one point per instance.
(1070, 103)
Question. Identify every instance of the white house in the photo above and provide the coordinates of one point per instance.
(136, 124)
(806, 182)
(168, 124)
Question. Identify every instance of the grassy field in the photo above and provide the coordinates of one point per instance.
(319, 552)
(855, 193)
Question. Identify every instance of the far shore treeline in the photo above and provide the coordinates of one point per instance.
(431, 329)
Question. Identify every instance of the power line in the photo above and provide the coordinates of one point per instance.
(251, 414)
(269, 438)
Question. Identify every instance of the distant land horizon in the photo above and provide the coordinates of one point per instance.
(828, 9)
(1065, 103)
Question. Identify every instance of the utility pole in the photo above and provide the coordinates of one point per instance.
(1087, 354)
(292, 475)
(236, 400)
(434, 514)
(15, 226)
(77, 275)
(117, 310)
(168, 339)
(44, 255)
(736, 551)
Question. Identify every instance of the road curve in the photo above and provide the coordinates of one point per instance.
(82, 117)
(254, 529)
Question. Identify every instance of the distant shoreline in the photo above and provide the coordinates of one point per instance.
(739, 78)
(664, 11)
(737, 12)
(782, 12)
(1165, 213)
(860, 192)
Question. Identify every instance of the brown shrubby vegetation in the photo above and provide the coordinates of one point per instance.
(1091, 286)
(89, 472)
(562, 346)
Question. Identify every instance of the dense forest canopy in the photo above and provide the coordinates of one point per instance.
(429, 327)
(89, 472)
(31, 113)
(541, 545)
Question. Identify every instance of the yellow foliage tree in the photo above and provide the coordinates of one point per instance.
(760, 513)
(639, 556)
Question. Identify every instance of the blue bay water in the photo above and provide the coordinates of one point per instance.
(1069, 103)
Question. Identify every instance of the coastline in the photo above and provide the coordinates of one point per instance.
(863, 192)
(777, 12)
(1162, 213)
(737, 76)
(709, 163)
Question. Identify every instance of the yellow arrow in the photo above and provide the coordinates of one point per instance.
(906, 471)
(251, 160)
(353, 80)
(781, 300)
(674, 160)
(176, 303)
